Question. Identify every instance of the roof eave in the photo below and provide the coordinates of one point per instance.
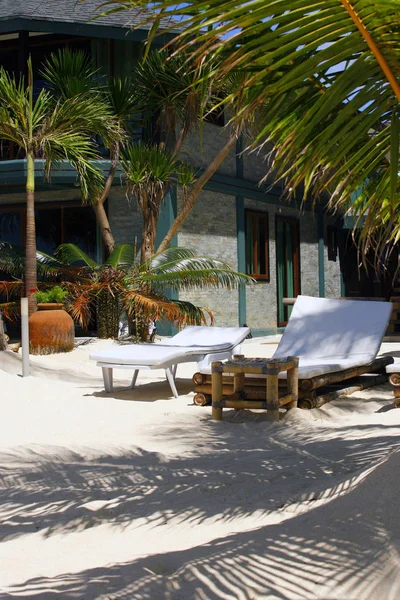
(91, 29)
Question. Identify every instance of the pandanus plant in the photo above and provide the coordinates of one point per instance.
(149, 171)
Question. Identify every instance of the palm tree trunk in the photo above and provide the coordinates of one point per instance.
(104, 225)
(195, 191)
(98, 207)
(148, 235)
(30, 249)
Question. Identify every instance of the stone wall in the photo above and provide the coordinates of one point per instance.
(125, 218)
(200, 151)
(210, 230)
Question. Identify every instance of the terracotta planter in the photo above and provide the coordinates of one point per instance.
(51, 330)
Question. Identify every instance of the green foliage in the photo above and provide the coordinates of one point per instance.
(70, 74)
(12, 262)
(120, 284)
(146, 165)
(322, 80)
(55, 294)
(175, 90)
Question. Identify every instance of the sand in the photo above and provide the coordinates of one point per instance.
(139, 495)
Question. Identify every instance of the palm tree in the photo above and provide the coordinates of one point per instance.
(120, 284)
(53, 129)
(162, 92)
(324, 79)
(72, 72)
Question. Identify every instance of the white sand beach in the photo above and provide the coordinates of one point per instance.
(139, 495)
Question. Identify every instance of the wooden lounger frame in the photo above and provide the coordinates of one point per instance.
(312, 392)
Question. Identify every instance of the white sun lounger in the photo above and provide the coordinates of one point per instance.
(335, 340)
(192, 344)
(330, 335)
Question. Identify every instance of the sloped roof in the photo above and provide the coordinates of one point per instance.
(70, 11)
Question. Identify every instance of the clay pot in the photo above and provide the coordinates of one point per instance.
(51, 330)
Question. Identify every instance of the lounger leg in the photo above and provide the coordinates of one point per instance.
(135, 376)
(171, 381)
(107, 378)
(174, 369)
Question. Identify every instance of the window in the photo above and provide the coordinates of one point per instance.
(287, 265)
(56, 223)
(257, 244)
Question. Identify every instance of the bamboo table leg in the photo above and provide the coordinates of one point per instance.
(238, 384)
(293, 382)
(216, 382)
(272, 396)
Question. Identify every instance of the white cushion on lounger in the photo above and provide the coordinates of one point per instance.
(332, 335)
(312, 368)
(193, 344)
(151, 354)
(207, 336)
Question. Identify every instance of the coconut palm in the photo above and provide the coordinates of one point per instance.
(52, 129)
(72, 72)
(121, 285)
(324, 78)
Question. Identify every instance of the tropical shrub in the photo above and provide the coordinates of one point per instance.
(55, 294)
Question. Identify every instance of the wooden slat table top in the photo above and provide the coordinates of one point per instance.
(258, 365)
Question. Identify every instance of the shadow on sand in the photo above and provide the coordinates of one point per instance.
(345, 544)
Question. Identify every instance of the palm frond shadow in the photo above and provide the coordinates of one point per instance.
(52, 492)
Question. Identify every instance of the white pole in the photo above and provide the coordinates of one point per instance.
(25, 337)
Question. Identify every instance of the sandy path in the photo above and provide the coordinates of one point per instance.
(140, 495)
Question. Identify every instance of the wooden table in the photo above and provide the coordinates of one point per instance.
(239, 366)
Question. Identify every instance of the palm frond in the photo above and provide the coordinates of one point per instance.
(12, 289)
(71, 254)
(70, 73)
(120, 93)
(122, 255)
(12, 261)
(155, 307)
(323, 78)
(180, 268)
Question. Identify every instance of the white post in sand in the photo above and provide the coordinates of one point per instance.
(25, 337)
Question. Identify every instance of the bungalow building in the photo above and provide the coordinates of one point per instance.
(289, 248)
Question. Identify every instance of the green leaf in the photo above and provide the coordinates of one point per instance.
(122, 255)
(71, 254)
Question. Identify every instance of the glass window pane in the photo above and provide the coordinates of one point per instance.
(79, 227)
(249, 244)
(261, 246)
(48, 229)
(10, 227)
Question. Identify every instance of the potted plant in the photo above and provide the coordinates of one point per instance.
(52, 299)
(51, 329)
